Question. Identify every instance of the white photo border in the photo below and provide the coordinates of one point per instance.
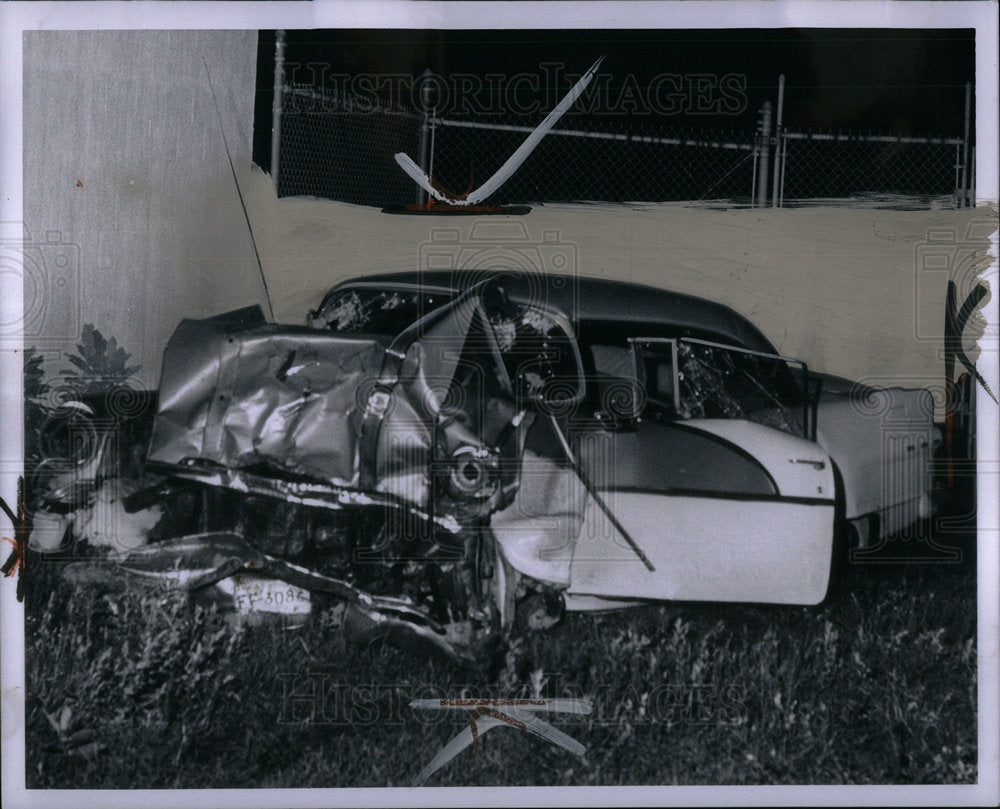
(17, 17)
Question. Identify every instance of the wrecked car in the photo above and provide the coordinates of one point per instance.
(449, 454)
(736, 466)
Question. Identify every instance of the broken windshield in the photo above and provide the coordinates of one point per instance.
(368, 310)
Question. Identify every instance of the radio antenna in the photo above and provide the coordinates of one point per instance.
(239, 192)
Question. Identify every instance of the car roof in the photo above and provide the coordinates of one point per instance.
(583, 299)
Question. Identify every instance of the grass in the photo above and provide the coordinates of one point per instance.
(134, 687)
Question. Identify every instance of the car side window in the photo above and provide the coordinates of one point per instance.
(612, 389)
(689, 378)
(656, 361)
(612, 360)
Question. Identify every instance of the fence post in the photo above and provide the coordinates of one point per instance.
(430, 160)
(781, 183)
(425, 99)
(765, 148)
(276, 105)
(775, 198)
(965, 147)
(958, 175)
(972, 181)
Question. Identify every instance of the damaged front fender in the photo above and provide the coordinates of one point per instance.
(333, 420)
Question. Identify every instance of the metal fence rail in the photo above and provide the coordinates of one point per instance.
(578, 164)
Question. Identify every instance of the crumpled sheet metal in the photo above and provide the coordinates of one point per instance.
(251, 396)
(453, 380)
(281, 396)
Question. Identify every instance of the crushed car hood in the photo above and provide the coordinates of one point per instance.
(244, 400)
(256, 395)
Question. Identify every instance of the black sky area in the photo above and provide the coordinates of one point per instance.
(887, 81)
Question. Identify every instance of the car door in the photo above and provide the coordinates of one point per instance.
(700, 469)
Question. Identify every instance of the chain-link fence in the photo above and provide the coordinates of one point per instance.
(651, 164)
(334, 146)
(926, 172)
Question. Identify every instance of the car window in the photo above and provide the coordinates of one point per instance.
(537, 350)
(365, 310)
(690, 378)
(611, 381)
(612, 360)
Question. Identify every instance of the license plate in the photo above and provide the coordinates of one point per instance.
(254, 594)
